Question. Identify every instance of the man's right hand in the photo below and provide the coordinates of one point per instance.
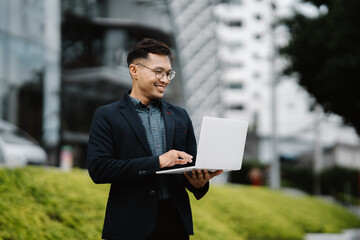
(174, 157)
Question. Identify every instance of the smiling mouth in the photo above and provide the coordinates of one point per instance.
(161, 87)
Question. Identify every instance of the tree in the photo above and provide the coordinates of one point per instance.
(324, 53)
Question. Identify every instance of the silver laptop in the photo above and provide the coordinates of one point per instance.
(221, 146)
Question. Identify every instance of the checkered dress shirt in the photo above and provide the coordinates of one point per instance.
(153, 122)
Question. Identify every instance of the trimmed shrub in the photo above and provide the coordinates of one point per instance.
(341, 183)
(261, 213)
(44, 203)
(40, 203)
(297, 177)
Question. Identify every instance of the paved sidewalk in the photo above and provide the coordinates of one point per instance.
(354, 209)
(350, 234)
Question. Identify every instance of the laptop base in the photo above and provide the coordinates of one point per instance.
(185, 169)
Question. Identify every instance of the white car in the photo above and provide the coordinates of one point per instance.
(17, 148)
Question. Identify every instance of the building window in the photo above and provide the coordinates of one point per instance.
(237, 107)
(234, 64)
(235, 23)
(231, 1)
(236, 85)
(234, 46)
(258, 17)
(258, 36)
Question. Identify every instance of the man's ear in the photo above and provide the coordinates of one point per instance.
(133, 71)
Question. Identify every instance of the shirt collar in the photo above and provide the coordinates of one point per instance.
(139, 105)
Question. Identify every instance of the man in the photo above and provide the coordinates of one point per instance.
(133, 138)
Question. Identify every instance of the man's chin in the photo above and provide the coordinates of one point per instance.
(158, 96)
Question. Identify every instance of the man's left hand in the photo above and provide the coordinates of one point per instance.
(199, 178)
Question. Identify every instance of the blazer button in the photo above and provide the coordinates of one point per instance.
(144, 172)
(140, 173)
(152, 192)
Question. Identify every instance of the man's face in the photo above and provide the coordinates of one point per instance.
(146, 86)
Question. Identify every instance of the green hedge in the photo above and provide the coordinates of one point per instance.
(260, 213)
(39, 203)
(342, 183)
(43, 203)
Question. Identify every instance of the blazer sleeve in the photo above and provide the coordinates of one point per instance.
(102, 165)
(191, 149)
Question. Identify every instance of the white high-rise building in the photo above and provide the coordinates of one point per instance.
(247, 42)
(246, 51)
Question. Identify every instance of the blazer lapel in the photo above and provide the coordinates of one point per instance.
(169, 121)
(129, 112)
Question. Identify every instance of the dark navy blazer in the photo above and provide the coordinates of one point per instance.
(118, 153)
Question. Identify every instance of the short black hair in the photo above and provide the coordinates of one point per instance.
(147, 45)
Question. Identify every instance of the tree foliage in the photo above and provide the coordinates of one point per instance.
(324, 53)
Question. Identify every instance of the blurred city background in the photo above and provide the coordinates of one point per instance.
(60, 60)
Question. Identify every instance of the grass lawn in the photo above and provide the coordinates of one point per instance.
(45, 203)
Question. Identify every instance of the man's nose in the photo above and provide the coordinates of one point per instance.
(164, 79)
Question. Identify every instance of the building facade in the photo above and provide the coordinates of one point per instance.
(30, 68)
(250, 66)
(96, 36)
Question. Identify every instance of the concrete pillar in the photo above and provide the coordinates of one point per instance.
(52, 80)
